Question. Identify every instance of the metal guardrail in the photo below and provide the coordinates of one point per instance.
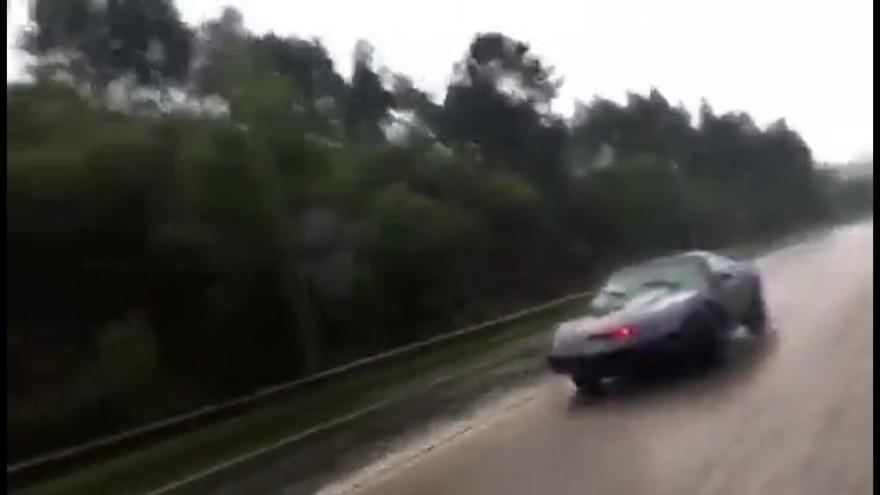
(31, 468)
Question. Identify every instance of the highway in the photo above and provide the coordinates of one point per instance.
(791, 415)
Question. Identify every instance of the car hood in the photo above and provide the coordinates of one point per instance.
(644, 310)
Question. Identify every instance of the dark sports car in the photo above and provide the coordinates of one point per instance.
(684, 305)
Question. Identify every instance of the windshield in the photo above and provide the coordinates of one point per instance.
(623, 286)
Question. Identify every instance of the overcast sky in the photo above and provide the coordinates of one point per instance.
(811, 62)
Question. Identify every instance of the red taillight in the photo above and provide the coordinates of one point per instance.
(621, 333)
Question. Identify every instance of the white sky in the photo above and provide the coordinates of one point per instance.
(809, 61)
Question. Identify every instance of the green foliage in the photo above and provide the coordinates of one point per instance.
(128, 362)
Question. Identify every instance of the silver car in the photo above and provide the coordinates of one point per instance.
(684, 305)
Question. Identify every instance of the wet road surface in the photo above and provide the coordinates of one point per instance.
(790, 415)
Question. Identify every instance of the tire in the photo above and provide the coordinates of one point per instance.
(756, 317)
(707, 335)
(589, 385)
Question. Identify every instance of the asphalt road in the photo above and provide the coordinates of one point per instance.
(791, 415)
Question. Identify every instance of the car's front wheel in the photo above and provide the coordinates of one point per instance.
(707, 330)
(756, 317)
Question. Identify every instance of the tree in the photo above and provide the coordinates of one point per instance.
(407, 97)
(309, 66)
(101, 41)
(507, 65)
(643, 126)
(368, 101)
(499, 99)
(239, 68)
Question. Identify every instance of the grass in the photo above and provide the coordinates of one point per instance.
(156, 465)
